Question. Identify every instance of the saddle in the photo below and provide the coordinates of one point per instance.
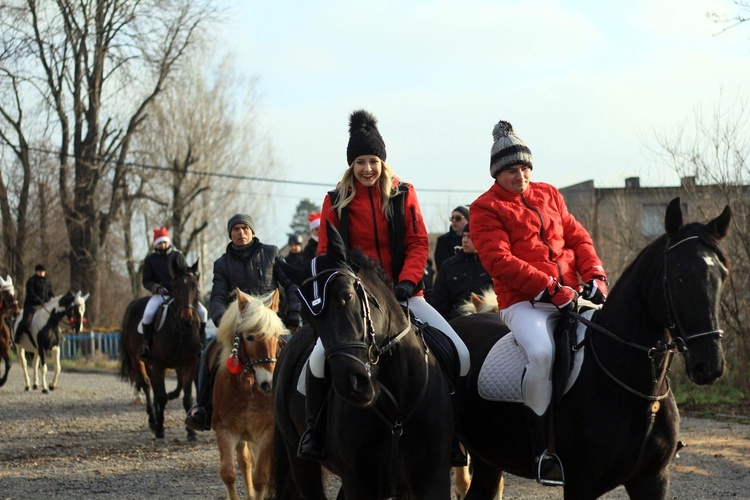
(443, 348)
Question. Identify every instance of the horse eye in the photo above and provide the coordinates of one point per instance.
(250, 337)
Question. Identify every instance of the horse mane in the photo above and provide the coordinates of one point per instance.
(363, 263)
(652, 253)
(484, 302)
(256, 318)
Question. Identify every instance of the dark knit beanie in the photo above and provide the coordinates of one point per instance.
(364, 137)
(465, 229)
(463, 210)
(508, 149)
(240, 219)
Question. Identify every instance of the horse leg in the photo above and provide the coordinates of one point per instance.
(486, 480)
(6, 358)
(461, 481)
(43, 360)
(245, 464)
(263, 463)
(160, 402)
(227, 444)
(24, 365)
(35, 369)
(186, 377)
(56, 356)
(653, 488)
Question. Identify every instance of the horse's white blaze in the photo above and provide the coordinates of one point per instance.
(709, 260)
(263, 376)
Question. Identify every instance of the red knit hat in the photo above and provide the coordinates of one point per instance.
(314, 219)
(161, 235)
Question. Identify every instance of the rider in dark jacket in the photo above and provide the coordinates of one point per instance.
(38, 292)
(252, 267)
(459, 276)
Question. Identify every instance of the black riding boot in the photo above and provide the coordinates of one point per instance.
(458, 451)
(202, 333)
(23, 325)
(312, 442)
(548, 468)
(148, 337)
(199, 416)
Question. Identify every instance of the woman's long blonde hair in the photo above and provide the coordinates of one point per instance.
(347, 188)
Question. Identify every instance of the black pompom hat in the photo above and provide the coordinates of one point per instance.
(364, 137)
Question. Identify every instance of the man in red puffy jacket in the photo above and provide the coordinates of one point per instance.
(540, 259)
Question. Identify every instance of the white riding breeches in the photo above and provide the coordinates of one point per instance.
(533, 327)
(157, 300)
(425, 313)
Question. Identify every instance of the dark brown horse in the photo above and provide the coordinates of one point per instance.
(8, 312)
(176, 344)
(618, 423)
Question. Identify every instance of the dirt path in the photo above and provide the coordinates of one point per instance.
(87, 439)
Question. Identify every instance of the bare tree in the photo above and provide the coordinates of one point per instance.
(715, 151)
(98, 66)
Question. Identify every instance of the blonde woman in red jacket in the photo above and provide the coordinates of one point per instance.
(538, 255)
(380, 216)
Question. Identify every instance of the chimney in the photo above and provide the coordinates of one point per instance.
(688, 181)
(632, 183)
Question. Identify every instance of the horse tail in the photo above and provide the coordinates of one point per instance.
(282, 482)
(128, 365)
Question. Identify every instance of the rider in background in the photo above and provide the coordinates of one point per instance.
(538, 254)
(157, 279)
(448, 244)
(311, 249)
(295, 256)
(380, 216)
(38, 292)
(252, 267)
(459, 276)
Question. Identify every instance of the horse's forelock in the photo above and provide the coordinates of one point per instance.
(256, 317)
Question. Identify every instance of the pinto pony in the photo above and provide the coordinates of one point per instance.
(249, 339)
(44, 337)
(9, 310)
(176, 344)
(618, 423)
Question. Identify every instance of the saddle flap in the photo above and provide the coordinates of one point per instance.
(444, 350)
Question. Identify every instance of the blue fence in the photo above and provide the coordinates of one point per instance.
(87, 344)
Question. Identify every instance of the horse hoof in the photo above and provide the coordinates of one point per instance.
(159, 434)
(45, 391)
(192, 438)
(35, 387)
(52, 388)
(27, 389)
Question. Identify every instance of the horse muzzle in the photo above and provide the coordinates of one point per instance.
(353, 379)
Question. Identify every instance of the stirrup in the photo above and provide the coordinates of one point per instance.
(197, 419)
(554, 474)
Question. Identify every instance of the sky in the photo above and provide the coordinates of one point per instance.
(588, 86)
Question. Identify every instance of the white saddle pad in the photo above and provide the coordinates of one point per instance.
(501, 375)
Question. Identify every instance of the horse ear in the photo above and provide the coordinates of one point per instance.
(673, 218)
(85, 297)
(242, 300)
(275, 301)
(290, 271)
(194, 268)
(720, 225)
(336, 248)
(9, 280)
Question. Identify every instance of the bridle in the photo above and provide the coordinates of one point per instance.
(368, 342)
(679, 339)
(248, 364)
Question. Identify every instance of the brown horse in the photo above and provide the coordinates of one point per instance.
(176, 344)
(249, 337)
(8, 312)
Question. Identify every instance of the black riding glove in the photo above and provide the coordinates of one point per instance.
(293, 320)
(404, 290)
(162, 291)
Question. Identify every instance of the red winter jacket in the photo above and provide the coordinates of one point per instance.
(368, 231)
(523, 239)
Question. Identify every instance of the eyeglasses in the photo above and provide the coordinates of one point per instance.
(456, 218)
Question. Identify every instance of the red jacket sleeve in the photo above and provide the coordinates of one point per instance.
(416, 243)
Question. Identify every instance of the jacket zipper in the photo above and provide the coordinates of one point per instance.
(544, 239)
(375, 226)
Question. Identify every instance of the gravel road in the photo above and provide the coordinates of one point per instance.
(88, 439)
